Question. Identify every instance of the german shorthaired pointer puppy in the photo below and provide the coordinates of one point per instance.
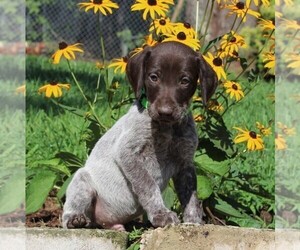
(133, 162)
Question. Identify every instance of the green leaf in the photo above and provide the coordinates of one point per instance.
(38, 190)
(211, 44)
(70, 159)
(54, 164)
(76, 111)
(225, 208)
(12, 193)
(204, 189)
(169, 197)
(246, 221)
(205, 163)
(243, 63)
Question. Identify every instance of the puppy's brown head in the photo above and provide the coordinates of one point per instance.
(169, 72)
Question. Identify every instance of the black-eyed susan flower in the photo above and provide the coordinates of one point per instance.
(182, 36)
(214, 105)
(186, 27)
(230, 43)
(66, 51)
(293, 61)
(241, 9)
(100, 65)
(162, 26)
(282, 2)
(269, 60)
(289, 24)
(234, 90)
(217, 64)
(148, 41)
(199, 118)
(267, 25)
(21, 89)
(54, 88)
(265, 131)
(154, 8)
(253, 140)
(286, 130)
(103, 6)
(280, 142)
(119, 64)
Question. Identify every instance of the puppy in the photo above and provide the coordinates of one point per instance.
(133, 162)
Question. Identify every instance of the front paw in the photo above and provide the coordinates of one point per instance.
(76, 221)
(163, 218)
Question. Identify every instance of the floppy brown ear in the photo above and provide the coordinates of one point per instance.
(135, 70)
(208, 80)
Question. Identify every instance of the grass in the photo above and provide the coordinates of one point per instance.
(249, 185)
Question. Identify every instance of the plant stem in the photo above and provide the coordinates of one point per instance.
(209, 18)
(203, 18)
(85, 98)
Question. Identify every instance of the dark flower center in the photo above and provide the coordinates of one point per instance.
(217, 61)
(97, 1)
(152, 2)
(162, 22)
(53, 83)
(62, 45)
(235, 53)
(181, 36)
(187, 25)
(240, 5)
(252, 134)
(234, 87)
(233, 40)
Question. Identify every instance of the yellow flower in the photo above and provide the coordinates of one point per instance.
(180, 35)
(217, 64)
(54, 88)
(103, 6)
(293, 61)
(199, 118)
(289, 24)
(119, 64)
(162, 26)
(230, 43)
(254, 141)
(285, 130)
(66, 51)
(21, 90)
(149, 41)
(264, 130)
(287, 2)
(267, 25)
(234, 89)
(241, 9)
(152, 7)
(214, 105)
(269, 59)
(99, 65)
(280, 142)
(186, 27)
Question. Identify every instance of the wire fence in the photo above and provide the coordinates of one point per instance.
(54, 21)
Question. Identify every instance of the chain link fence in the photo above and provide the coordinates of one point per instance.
(53, 21)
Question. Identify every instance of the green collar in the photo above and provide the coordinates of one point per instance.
(143, 99)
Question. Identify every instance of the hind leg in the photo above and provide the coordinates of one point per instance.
(78, 208)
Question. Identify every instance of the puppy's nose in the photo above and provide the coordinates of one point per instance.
(165, 111)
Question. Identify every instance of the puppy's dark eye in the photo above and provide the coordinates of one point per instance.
(153, 77)
(185, 81)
